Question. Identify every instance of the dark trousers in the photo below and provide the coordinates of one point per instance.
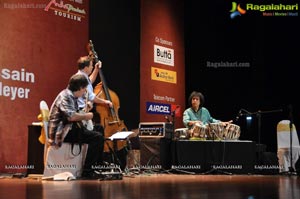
(117, 157)
(95, 141)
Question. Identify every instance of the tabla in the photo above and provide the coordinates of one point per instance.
(199, 131)
(232, 132)
(216, 131)
(181, 134)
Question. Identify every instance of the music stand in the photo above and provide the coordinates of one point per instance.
(122, 135)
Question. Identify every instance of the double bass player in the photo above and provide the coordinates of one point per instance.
(85, 67)
(86, 102)
(115, 151)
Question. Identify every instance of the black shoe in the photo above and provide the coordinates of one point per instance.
(91, 175)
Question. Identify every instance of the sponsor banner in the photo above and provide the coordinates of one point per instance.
(163, 55)
(162, 75)
(12, 92)
(69, 10)
(158, 108)
(37, 33)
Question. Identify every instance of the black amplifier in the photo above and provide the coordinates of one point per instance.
(156, 130)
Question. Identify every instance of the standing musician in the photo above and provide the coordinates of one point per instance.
(196, 113)
(86, 68)
(115, 151)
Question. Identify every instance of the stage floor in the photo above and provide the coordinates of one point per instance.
(157, 185)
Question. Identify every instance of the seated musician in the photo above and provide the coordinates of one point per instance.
(196, 113)
(196, 117)
(64, 124)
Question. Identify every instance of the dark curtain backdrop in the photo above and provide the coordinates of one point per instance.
(269, 44)
(115, 32)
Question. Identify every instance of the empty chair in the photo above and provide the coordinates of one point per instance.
(283, 146)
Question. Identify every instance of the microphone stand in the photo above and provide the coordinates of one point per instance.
(173, 130)
(222, 162)
(291, 169)
(258, 115)
(173, 113)
(173, 120)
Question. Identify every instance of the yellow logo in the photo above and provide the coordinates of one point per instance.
(162, 75)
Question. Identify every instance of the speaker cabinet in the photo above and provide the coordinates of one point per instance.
(35, 150)
(155, 153)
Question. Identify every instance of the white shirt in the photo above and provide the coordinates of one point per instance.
(90, 92)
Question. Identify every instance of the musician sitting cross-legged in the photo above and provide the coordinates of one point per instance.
(65, 124)
(197, 116)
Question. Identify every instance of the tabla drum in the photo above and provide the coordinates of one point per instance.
(181, 134)
(199, 132)
(216, 131)
(232, 132)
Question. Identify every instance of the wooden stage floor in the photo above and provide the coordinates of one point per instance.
(157, 186)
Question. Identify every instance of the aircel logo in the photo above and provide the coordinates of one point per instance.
(157, 108)
(163, 55)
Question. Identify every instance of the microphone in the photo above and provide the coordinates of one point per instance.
(239, 114)
(174, 111)
(177, 107)
(245, 111)
(167, 118)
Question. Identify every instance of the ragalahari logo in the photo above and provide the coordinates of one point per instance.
(236, 10)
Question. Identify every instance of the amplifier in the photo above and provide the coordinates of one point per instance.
(156, 130)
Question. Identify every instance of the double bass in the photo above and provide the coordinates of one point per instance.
(109, 118)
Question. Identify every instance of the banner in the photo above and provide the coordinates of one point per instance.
(41, 42)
